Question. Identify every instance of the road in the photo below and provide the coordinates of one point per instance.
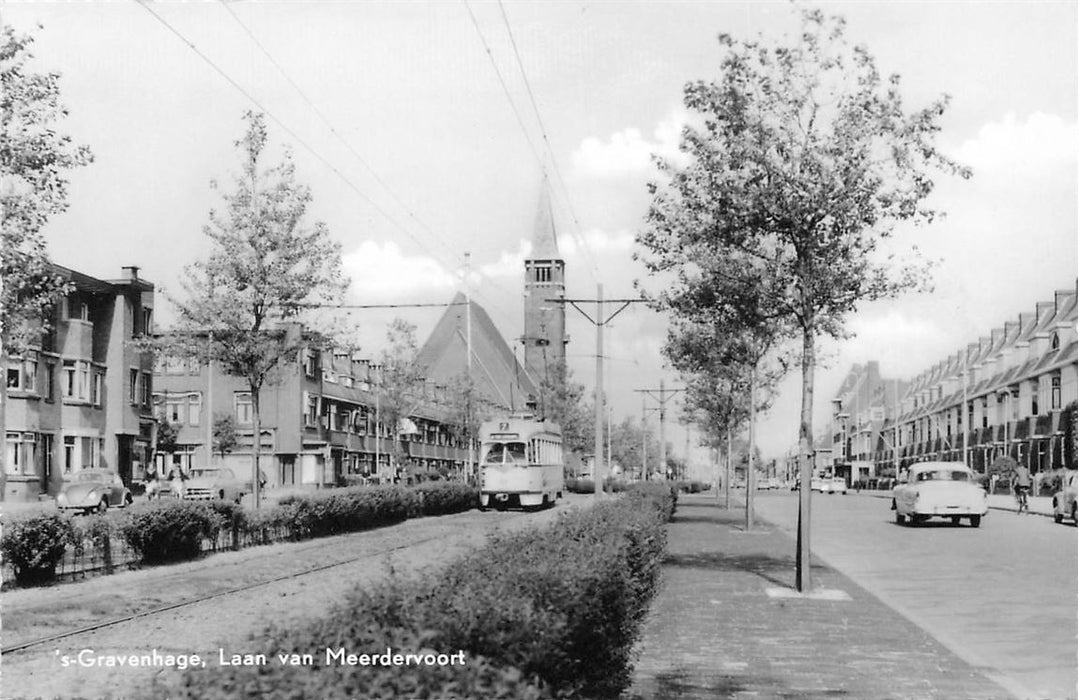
(1002, 596)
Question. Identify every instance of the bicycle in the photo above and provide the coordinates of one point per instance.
(1021, 495)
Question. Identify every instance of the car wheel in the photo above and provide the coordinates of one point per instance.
(899, 518)
(956, 519)
(1058, 517)
(974, 521)
(128, 499)
(103, 506)
(1074, 512)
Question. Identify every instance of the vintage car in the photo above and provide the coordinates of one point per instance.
(210, 483)
(1065, 501)
(939, 490)
(94, 490)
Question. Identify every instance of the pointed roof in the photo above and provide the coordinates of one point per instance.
(544, 237)
(497, 375)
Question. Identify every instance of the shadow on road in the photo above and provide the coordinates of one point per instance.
(678, 684)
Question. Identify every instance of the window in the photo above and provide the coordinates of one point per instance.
(69, 453)
(309, 362)
(542, 274)
(22, 376)
(1057, 395)
(77, 310)
(310, 416)
(984, 411)
(50, 381)
(76, 383)
(245, 410)
(132, 385)
(146, 326)
(174, 409)
(146, 388)
(1054, 342)
(333, 417)
(95, 387)
(194, 408)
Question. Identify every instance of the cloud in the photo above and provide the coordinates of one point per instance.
(510, 264)
(1012, 148)
(598, 241)
(382, 271)
(628, 152)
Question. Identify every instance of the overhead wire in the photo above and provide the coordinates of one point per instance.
(546, 140)
(273, 117)
(495, 305)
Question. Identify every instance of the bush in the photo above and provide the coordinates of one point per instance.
(537, 613)
(34, 544)
(171, 530)
(443, 497)
(347, 510)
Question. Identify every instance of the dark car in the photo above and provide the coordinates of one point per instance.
(94, 490)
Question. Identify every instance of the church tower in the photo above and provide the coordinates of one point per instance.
(544, 278)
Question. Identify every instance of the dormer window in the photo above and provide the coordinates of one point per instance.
(1054, 342)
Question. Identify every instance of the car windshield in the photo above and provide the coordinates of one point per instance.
(943, 475)
(211, 474)
(93, 476)
(507, 452)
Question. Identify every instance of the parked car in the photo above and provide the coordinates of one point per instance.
(1065, 501)
(939, 490)
(210, 483)
(94, 490)
(766, 484)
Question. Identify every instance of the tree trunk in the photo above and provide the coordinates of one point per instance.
(729, 463)
(256, 446)
(750, 474)
(804, 510)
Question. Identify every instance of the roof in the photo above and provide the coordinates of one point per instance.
(544, 237)
(498, 376)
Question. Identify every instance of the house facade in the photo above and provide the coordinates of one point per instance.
(81, 397)
(1001, 396)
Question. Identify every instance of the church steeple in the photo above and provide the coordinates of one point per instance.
(544, 279)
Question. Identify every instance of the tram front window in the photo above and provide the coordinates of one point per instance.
(507, 453)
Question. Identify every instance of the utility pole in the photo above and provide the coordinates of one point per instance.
(468, 401)
(207, 411)
(643, 438)
(663, 396)
(599, 322)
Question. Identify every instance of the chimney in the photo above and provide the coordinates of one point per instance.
(131, 272)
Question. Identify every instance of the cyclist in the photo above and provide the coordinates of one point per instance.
(1021, 485)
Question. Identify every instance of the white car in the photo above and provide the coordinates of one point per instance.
(1065, 501)
(939, 490)
(830, 484)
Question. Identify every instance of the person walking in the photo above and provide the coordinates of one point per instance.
(1021, 485)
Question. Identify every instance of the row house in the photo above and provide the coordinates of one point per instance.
(1002, 395)
(80, 397)
(321, 421)
(859, 422)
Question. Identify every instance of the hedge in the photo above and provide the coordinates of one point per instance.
(536, 614)
(164, 531)
(34, 544)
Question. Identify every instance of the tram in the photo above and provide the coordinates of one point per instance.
(521, 463)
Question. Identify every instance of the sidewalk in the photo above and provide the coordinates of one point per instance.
(728, 624)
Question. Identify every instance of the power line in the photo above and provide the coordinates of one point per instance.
(239, 88)
(546, 140)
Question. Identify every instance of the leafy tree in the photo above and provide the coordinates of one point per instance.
(34, 160)
(467, 411)
(166, 441)
(627, 445)
(252, 295)
(801, 160)
(564, 404)
(225, 438)
(402, 382)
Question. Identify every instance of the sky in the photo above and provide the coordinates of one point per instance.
(414, 126)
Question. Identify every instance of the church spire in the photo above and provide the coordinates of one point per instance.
(544, 237)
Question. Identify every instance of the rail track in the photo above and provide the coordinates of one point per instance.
(22, 646)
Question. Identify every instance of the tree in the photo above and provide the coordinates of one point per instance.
(248, 303)
(34, 160)
(563, 403)
(225, 439)
(402, 380)
(801, 162)
(166, 441)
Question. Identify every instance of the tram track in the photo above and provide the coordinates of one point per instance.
(22, 646)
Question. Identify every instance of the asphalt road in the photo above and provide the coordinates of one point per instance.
(1002, 596)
